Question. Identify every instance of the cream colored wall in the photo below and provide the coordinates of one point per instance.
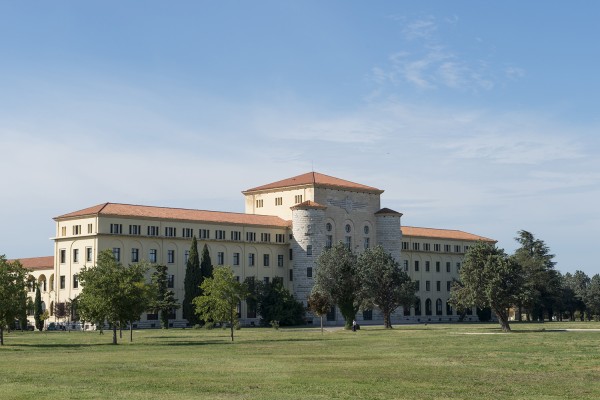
(270, 208)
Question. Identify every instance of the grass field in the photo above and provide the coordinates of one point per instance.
(470, 361)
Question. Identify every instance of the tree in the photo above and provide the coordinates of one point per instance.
(164, 301)
(37, 311)
(206, 266)
(541, 290)
(276, 303)
(12, 287)
(112, 292)
(337, 276)
(221, 295)
(577, 285)
(320, 304)
(384, 284)
(60, 310)
(593, 298)
(488, 278)
(191, 284)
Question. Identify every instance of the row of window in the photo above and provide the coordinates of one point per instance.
(416, 246)
(438, 285)
(417, 266)
(278, 201)
(347, 228)
(76, 230)
(75, 282)
(220, 234)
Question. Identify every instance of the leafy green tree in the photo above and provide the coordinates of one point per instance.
(12, 288)
(205, 263)
(320, 304)
(488, 278)
(112, 292)
(276, 303)
(337, 276)
(221, 295)
(252, 294)
(384, 284)
(38, 311)
(576, 285)
(191, 284)
(23, 310)
(164, 300)
(593, 297)
(541, 282)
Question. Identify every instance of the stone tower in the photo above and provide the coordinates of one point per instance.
(389, 233)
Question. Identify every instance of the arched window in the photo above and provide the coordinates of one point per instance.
(428, 307)
(448, 309)
(418, 307)
(438, 307)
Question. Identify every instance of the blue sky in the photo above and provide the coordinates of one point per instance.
(476, 116)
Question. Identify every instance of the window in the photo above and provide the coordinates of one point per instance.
(265, 260)
(220, 234)
(416, 246)
(186, 256)
(280, 260)
(426, 247)
(437, 247)
(348, 228)
(236, 235)
(250, 236)
(76, 229)
(448, 266)
(170, 231)
(63, 231)
(331, 314)
(428, 307)
(447, 248)
(90, 229)
(266, 280)
(416, 266)
(170, 256)
(236, 258)
(405, 265)
(448, 309)
(116, 228)
(135, 255)
(259, 203)
(366, 242)
(427, 286)
(298, 198)
(418, 285)
(448, 285)
(418, 307)
(75, 281)
(366, 229)
(265, 237)
(251, 259)
(349, 242)
(328, 227)
(438, 286)
(309, 250)
(153, 231)
(135, 230)
(204, 234)
(62, 281)
(426, 266)
(457, 267)
(291, 275)
(171, 281)
(367, 315)
(291, 252)
(75, 255)
(466, 248)
(328, 241)
(438, 307)
(457, 248)
(309, 272)
(220, 258)
(187, 232)
(279, 238)
(152, 317)
(117, 253)
(404, 245)
(88, 254)
(153, 255)
(437, 266)
(278, 201)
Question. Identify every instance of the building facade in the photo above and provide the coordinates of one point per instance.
(286, 226)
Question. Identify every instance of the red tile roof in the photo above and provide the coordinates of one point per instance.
(37, 263)
(181, 214)
(315, 179)
(308, 204)
(442, 234)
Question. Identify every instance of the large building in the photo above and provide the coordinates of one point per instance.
(285, 227)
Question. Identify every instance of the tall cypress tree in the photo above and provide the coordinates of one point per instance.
(205, 263)
(37, 310)
(191, 284)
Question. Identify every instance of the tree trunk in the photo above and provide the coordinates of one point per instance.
(503, 319)
(114, 334)
(231, 325)
(321, 324)
(131, 332)
(387, 320)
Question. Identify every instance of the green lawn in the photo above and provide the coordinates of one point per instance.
(470, 361)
